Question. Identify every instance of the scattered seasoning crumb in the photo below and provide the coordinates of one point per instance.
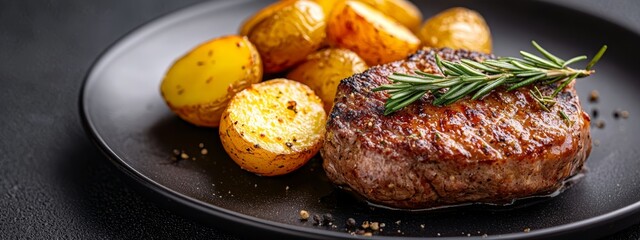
(485, 235)
(204, 151)
(616, 113)
(193, 158)
(527, 230)
(286, 188)
(398, 222)
(596, 142)
(438, 234)
(594, 96)
(624, 114)
(184, 156)
(365, 224)
(304, 215)
(359, 232)
(351, 222)
(594, 112)
(368, 234)
(316, 219)
(382, 225)
(374, 226)
(289, 145)
(422, 226)
(255, 185)
(176, 152)
(468, 234)
(291, 105)
(600, 124)
(398, 230)
(201, 145)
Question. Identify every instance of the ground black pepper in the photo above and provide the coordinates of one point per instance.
(316, 219)
(351, 223)
(327, 218)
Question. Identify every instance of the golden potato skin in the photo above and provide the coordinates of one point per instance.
(457, 28)
(323, 71)
(375, 37)
(402, 11)
(290, 34)
(274, 127)
(327, 5)
(199, 85)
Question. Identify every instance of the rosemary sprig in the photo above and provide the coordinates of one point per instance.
(460, 79)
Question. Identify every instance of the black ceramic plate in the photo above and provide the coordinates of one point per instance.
(125, 115)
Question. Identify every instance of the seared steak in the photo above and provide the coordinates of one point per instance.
(491, 150)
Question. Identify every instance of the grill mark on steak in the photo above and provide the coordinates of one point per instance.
(491, 150)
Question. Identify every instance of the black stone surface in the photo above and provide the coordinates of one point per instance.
(54, 183)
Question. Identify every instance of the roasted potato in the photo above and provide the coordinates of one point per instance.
(288, 35)
(375, 37)
(273, 127)
(199, 85)
(457, 28)
(402, 11)
(323, 70)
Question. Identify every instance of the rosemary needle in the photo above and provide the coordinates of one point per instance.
(478, 79)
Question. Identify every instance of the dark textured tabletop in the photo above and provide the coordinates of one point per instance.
(54, 183)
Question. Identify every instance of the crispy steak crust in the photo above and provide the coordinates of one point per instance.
(492, 150)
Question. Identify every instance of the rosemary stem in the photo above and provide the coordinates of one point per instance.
(478, 79)
(566, 72)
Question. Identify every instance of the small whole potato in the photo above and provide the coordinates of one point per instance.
(274, 127)
(288, 35)
(323, 70)
(457, 28)
(366, 31)
(199, 85)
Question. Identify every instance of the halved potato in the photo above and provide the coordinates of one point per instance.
(288, 35)
(199, 85)
(323, 70)
(375, 37)
(402, 11)
(457, 28)
(273, 127)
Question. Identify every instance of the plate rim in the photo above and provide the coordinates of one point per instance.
(173, 16)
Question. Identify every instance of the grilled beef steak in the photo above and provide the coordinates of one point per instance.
(492, 150)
